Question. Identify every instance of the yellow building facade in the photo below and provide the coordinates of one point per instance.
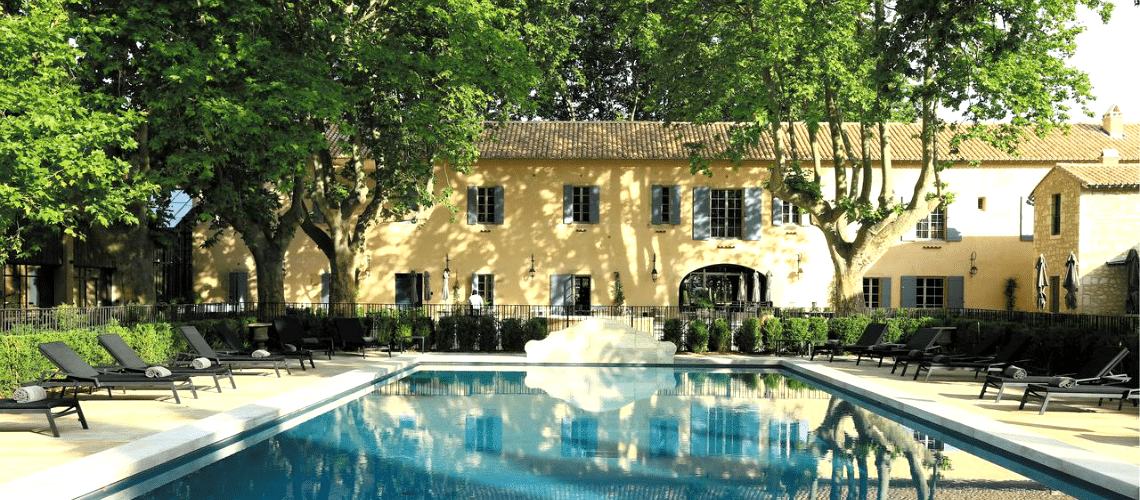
(556, 213)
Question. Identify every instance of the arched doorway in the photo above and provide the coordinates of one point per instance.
(723, 286)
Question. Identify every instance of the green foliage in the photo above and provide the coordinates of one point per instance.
(535, 329)
(748, 338)
(618, 291)
(698, 336)
(773, 330)
(848, 329)
(796, 329)
(671, 331)
(720, 336)
(21, 361)
(58, 141)
(817, 328)
(486, 336)
(514, 334)
(1010, 294)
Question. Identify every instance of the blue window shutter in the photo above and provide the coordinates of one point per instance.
(907, 285)
(777, 211)
(472, 198)
(698, 430)
(567, 204)
(955, 292)
(595, 204)
(702, 223)
(559, 290)
(885, 293)
(675, 215)
(655, 204)
(753, 213)
(499, 204)
(470, 436)
(496, 423)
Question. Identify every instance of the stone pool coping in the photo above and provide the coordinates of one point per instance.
(95, 472)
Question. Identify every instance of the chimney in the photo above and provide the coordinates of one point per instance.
(1109, 157)
(1113, 122)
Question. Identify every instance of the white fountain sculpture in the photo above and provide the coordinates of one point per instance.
(600, 341)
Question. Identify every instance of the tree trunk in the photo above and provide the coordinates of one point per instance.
(270, 262)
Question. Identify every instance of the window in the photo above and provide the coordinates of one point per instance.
(27, 285)
(666, 204)
(484, 285)
(484, 205)
(982, 203)
(663, 440)
(238, 287)
(570, 294)
(872, 295)
(1056, 213)
(580, 204)
(724, 431)
(933, 227)
(95, 286)
(930, 293)
(412, 289)
(789, 213)
(727, 213)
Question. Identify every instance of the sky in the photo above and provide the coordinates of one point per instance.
(1110, 54)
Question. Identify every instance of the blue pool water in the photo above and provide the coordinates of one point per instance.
(592, 433)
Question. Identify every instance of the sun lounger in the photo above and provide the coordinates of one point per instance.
(352, 335)
(230, 337)
(290, 331)
(1098, 368)
(74, 372)
(1045, 392)
(203, 349)
(130, 361)
(872, 335)
(52, 408)
(922, 341)
(975, 359)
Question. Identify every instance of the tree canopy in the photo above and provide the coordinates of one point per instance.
(61, 146)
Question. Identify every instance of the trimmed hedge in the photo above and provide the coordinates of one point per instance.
(21, 361)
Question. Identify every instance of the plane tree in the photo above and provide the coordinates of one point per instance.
(61, 147)
(845, 70)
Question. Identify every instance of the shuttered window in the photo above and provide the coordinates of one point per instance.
(484, 205)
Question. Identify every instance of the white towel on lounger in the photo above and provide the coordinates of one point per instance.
(1063, 382)
(200, 363)
(260, 353)
(1015, 372)
(29, 394)
(157, 371)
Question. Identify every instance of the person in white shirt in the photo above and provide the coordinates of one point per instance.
(476, 302)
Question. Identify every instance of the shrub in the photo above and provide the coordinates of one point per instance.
(698, 336)
(720, 337)
(486, 336)
(817, 328)
(535, 329)
(513, 334)
(773, 331)
(847, 330)
(447, 332)
(796, 329)
(748, 336)
(671, 331)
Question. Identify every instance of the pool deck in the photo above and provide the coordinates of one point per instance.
(135, 430)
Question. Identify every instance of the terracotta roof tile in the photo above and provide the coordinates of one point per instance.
(654, 141)
(1096, 176)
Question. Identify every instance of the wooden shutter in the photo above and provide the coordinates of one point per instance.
(753, 213)
(499, 204)
(702, 223)
(426, 288)
(595, 204)
(560, 290)
(777, 211)
(472, 205)
(907, 285)
(885, 293)
(955, 292)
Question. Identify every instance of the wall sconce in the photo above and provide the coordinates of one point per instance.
(531, 266)
(653, 273)
(447, 263)
(799, 263)
(973, 264)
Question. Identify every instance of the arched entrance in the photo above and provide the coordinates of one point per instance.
(723, 286)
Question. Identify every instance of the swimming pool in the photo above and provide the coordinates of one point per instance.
(589, 432)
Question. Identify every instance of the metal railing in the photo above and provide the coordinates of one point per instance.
(646, 318)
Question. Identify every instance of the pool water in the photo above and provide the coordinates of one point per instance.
(598, 433)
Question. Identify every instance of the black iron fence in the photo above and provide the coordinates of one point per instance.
(646, 318)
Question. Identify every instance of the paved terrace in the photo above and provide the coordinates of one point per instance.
(34, 462)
